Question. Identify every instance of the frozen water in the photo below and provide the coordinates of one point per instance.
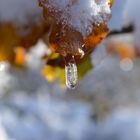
(80, 14)
(71, 75)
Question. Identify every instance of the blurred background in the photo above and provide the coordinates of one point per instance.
(34, 102)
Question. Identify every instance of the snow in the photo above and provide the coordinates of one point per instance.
(122, 124)
(19, 11)
(117, 18)
(35, 54)
(125, 13)
(80, 14)
(30, 109)
(131, 16)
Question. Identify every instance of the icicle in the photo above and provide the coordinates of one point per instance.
(71, 73)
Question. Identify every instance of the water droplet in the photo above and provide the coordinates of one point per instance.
(71, 74)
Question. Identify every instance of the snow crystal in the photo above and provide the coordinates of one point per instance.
(80, 14)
